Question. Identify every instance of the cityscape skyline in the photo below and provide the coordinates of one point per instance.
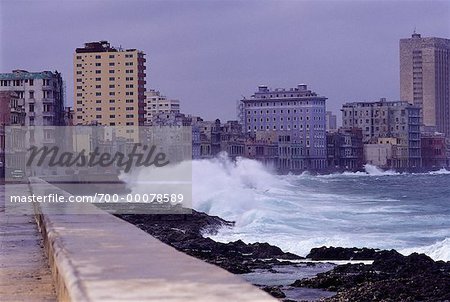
(216, 71)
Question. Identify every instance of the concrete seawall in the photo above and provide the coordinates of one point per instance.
(96, 256)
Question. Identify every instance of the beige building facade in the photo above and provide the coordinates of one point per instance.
(109, 85)
(425, 79)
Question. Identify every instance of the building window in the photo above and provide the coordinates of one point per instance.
(97, 57)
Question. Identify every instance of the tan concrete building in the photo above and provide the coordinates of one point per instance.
(109, 85)
(425, 79)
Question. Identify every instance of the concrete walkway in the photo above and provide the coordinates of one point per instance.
(24, 271)
(100, 258)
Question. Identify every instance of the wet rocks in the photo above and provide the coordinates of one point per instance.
(391, 277)
(340, 253)
(186, 233)
(274, 291)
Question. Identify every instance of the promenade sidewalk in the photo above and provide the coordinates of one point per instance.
(24, 271)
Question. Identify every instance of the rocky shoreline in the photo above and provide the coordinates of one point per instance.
(390, 277)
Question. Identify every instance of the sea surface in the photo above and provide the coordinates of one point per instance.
(377, 209)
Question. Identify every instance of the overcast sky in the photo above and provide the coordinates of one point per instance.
(209, 54)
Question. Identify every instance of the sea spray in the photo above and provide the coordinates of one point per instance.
(408, 212)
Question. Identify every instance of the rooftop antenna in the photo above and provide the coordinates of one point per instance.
(414, 30)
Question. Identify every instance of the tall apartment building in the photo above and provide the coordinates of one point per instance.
(156, 104)
(109, 85)
(425, 79)
(41, 93)
(298, 116)
(384, 119)
(331, 121)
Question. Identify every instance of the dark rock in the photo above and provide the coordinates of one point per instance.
(186, 233)
(391, 277)
(274, 291)
(340, 253)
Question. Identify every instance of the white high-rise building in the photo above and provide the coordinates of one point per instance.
(156, 104)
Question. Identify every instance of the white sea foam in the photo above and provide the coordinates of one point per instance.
(440, 172)
(299, 212)
(438, 251)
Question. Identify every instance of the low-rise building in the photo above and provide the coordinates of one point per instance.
(12, 113)
(345, 149)
(434, 151)
(263, 146)
(379, 155)
(68, 116)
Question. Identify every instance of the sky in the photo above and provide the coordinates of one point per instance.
(209, 54)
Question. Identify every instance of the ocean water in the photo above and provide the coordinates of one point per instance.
(387, 210)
